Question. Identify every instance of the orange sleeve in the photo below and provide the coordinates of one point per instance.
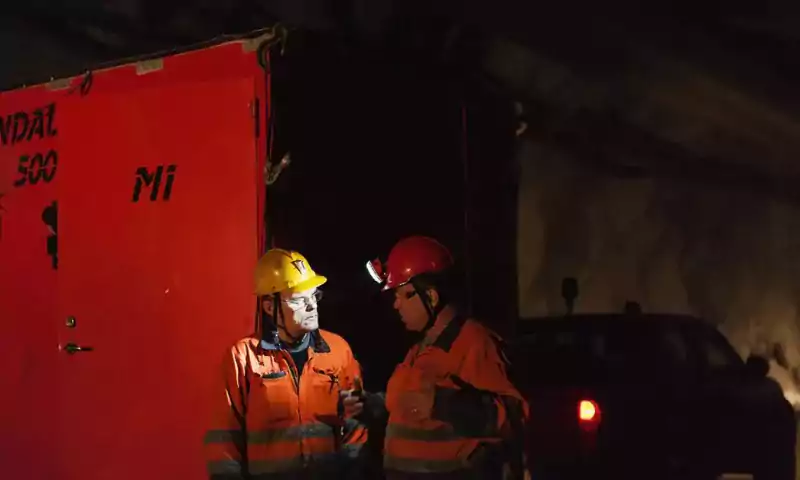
(484, 367)
(487, 366)
(225, 445)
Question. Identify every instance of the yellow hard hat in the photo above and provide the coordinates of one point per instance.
(282, 270)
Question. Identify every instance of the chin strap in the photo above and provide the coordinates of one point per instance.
(433, 312)
(269, 330)
(281, 320)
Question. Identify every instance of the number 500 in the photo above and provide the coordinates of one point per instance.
(37, 167)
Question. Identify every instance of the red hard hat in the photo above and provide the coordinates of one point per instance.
(410, 257)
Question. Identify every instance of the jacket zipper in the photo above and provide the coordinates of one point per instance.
(296, 381)
(295, 375)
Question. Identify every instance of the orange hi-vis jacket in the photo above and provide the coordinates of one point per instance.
(416, 442)
(273, 421)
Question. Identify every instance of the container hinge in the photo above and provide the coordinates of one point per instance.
(272, 171)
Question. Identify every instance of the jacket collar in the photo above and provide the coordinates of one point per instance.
(317, 343)
(445, 329)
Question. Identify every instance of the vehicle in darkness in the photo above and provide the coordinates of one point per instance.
(638, 395)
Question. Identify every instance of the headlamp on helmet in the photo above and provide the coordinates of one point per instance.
(375, 270)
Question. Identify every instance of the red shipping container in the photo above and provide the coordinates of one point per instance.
(131, 217)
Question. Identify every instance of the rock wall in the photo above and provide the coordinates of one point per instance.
(730, 257)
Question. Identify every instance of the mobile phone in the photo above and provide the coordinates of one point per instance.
(358, 388)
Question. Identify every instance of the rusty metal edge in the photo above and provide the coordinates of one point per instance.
(219, 40)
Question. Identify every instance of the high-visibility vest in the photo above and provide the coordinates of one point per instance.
(272, 419)
(454, 346)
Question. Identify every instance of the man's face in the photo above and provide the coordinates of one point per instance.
(410, 307)
(299, 310)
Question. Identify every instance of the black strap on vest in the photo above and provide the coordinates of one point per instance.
(448, 336)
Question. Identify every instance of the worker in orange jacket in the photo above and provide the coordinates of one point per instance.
(452, 411)
(279, 412)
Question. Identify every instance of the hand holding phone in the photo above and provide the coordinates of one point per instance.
(353, 399)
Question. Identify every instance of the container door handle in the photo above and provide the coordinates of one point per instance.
(72, 348)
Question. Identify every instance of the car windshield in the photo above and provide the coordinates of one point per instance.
(585, 353)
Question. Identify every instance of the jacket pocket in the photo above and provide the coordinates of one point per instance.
(325, 388)
(272, 398)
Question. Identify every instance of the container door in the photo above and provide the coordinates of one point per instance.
(158, 239)
(28, 262)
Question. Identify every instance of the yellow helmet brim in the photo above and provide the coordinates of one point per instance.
(308, 284)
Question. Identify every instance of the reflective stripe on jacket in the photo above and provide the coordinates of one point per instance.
(270, 420)
(416, 442)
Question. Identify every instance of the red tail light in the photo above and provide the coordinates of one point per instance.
(588, 412)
